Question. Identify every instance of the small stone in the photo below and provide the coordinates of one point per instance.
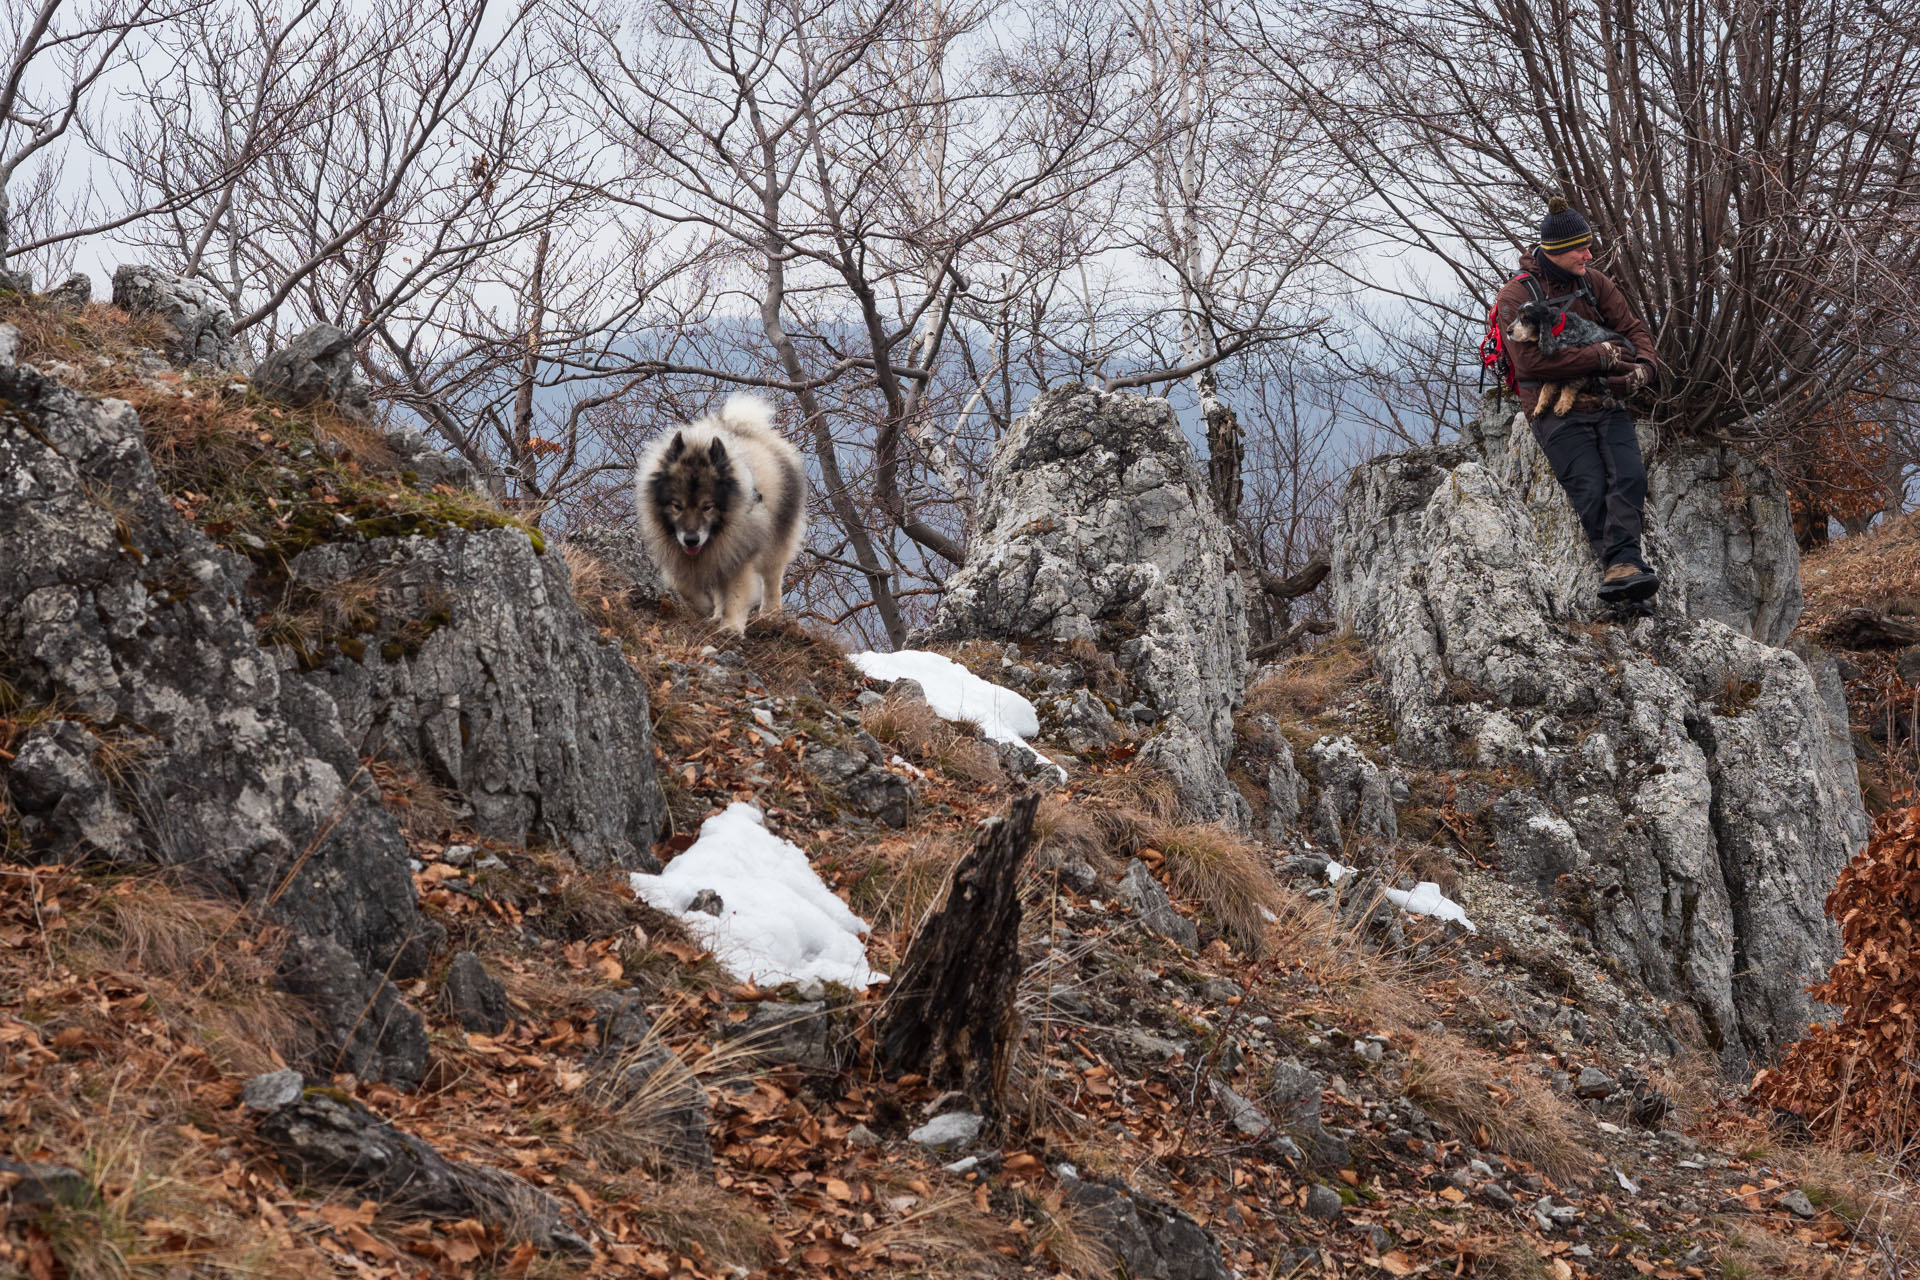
(861, 1136)
(962, 1167)
(477, 998)
(1498, 1196)
(272, 1090)
(1368, 1049)
(1593, 1083)
(954, 1129)
(1323, 1202)
(707, 902)
(1796, 1203)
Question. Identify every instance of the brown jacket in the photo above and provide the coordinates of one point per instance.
(1533, 369)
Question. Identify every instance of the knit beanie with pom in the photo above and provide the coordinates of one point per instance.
(1563, 228)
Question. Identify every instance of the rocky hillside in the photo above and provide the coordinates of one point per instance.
(325, 782)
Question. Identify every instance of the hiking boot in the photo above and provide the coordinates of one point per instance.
(1627, 582)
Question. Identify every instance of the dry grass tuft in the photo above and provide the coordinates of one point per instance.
(794, 657)
(1065, 829)
(601, 592)
(1379, 987)
(1879, 1203)
(1067, 1237)
(893, 883)
(648, 1108)
(1128, 805)
(942, 1235)
(1228, 877)
(1519, 1112)
(1870, 570)
(208, 967)
(968, 759)
(683, 1212)
(683, 725)
(1304, 686)
(909, 726)
(72, 343)
(425, 809)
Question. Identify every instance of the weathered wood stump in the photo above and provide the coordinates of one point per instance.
(950, 1011)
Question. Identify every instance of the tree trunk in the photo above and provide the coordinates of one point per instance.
(950, 1011)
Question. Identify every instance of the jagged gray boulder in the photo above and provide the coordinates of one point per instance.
(326, 1139)
(430, 465)
(1294, 1097)
(1139, 890)
(316, 365)
(1095, 524)
(176, 742)
(477, 999)
(1151, 1240)
(1695, 798)
(365, 1027)
(202, 327)
(1354, 796)
(642, 1078)
(480, 673)
(863, 786)
(74, 292)
(1718, 526)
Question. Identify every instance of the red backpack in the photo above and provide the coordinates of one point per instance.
(1493, 347)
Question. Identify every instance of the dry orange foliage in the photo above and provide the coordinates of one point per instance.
(1852, 1080)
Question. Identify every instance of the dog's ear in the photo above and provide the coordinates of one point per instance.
(717, 453)
(675, 447)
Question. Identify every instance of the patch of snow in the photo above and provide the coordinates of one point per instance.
(955, 693)
(1425, 899)
(1336, 873)
(779, 923)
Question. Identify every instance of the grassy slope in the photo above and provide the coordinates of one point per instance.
(131, 1012)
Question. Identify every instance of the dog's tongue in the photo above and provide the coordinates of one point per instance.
(692, 551)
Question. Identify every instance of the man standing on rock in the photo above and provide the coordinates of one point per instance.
(1592, 448)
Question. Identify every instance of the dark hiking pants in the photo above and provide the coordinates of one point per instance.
(1596, 458)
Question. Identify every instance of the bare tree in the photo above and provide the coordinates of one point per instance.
(60, 53)
(849, 161)
(1749, 167)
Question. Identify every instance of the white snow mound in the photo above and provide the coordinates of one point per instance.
(955, 693)
(1425, 899)
(778, 923)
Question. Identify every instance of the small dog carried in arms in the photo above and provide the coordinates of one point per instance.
(1555, 331)
(722, 505)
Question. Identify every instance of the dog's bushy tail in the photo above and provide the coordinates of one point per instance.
(748, 414)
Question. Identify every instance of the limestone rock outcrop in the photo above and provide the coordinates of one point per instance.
(1094, 524)
(477, 669)
(202, 327)
(1691, 797)
(171, 737)
(317, 364)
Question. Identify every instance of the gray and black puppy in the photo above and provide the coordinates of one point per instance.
(1556, 330)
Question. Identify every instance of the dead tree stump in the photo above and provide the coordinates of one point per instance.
(949, 1013)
